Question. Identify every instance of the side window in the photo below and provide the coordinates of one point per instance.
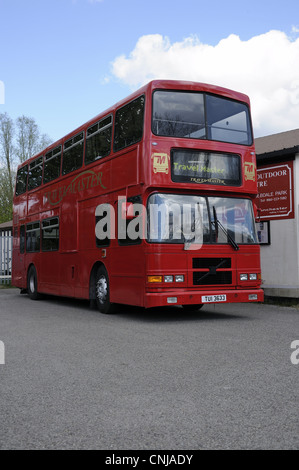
(73, 154)
(35, 173)
(32, 237)
(52, 164)
(129, 124)
(21, 184)
(98, 140)
(22, 239)
(50, 234)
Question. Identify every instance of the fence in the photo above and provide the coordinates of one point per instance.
(5, 257)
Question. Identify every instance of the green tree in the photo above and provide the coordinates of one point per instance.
(5, 196)
(7, 148)
(29, 141)
(18, 142)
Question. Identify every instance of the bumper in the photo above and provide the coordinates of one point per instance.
(159, 299)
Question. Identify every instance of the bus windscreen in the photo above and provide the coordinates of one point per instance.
(196, 115)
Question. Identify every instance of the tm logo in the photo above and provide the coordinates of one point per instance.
(2, 353)
(2, 92)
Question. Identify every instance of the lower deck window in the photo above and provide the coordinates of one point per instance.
(50, 234)
(33, 237)
(22, 239)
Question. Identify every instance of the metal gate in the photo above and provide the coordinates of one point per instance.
(5, 257)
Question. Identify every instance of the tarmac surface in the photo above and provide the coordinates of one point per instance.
(218, 378)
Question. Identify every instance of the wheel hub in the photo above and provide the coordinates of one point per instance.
(102, 289)
(31, 284)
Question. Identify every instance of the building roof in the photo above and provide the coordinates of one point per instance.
(6, 225)
(285, 143)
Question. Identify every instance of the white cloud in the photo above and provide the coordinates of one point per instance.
(266, 67)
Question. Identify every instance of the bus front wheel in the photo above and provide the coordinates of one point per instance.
(32, 284)
(103, 292)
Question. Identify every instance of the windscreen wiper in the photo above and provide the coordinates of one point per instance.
(197, 233)
(229, 237)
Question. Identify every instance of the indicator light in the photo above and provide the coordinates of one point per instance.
(154, 278)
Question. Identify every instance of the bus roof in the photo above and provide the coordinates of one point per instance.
(151, 86)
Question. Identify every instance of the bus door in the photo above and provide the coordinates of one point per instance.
(49, 267)
(69, 252)
(127, 261)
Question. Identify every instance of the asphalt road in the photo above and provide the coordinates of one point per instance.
(220, 378)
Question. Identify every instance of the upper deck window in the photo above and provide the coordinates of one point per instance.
(129, 124)
(196, 115)
(35, 173)
(52, 164)
(21, 185)
(73, 154)
(98, 140)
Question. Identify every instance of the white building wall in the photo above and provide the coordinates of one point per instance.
(296, 198)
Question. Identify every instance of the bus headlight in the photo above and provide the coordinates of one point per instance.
(179, 278)
(253, 277)
(168, 278)
(244, 277)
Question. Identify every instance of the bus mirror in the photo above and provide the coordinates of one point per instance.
(257, 213)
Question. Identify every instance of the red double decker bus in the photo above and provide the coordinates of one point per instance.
(151, 203)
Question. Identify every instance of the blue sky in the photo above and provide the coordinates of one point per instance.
(64, 61)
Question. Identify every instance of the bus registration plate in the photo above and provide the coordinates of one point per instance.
(213, 298)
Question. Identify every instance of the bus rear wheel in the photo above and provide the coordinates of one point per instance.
(32, 284)
(103, 292)
(192, 307)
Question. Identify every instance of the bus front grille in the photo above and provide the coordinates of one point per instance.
(217, 271)
(206, 278)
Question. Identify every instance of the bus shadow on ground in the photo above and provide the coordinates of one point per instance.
(175, 314)
(155, 314)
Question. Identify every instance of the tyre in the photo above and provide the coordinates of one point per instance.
(103, 292)
(192, 307)
(32, 284)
